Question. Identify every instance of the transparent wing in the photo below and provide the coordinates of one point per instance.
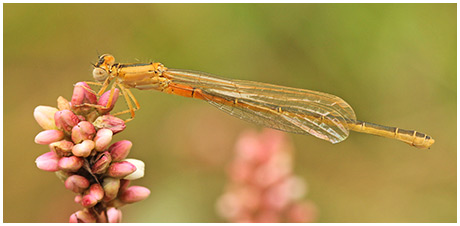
(288, 109)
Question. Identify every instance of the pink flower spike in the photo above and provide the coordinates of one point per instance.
(48, 162)
(104, 99)
(84, 130)
(49, 136)
(120, 150)
(65, 120)
(114, 215)
(102, 163)
(72, 163)
(134, 194)
(82, 216)
(103, 139)
(76, 183)
(111, 186)
(110, 122)
(120, 169)
(44, 116)
(82, 95)
(83, 149)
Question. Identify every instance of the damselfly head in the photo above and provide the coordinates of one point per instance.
(105, 60)
(99, 74)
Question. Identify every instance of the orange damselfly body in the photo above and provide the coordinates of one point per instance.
(293, 110)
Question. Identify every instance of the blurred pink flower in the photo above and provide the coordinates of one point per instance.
(78, 134)
(261, 186)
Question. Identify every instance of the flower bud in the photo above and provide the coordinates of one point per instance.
(82, 94)
(139, 173)
(48, 162)
(72, 163)
(103, 139)
(82, 216)
(63, 104)
(120, 169)
(97, 191)
(83, 149)
(78, 199)
(76, 183)
(92, 196)
(62, 148)
(49, 136)
(103, 161)
(111, 186)
(110, 122)
(114, 215)
(134, 194)
(65, 120)
(88, 201)
(120, 150)
(44, 116)
(104, 99)
(84, 130)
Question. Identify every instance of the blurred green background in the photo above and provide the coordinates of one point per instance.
(394, 63)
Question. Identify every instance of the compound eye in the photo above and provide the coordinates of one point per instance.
(100, 74)
(106, 59)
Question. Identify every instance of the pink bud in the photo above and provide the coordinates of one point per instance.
(120, 150)
(97, 191)
(277, 196)
(92, 196)
(44, 116)
(110, 122)
(88, 201)
(134, 194)
(120, 169)
(111, 186)
(82, 216)
(104, 99)
(103, 139)
(78, 198)
(72, 163)
(63, 104)
(83, 95)
(83, 149)
(83, 131)
(114, 215)
(65, 120)
(139, 173)
(103, 161)
(76, 183)
(48, 162)
(62, 148)
(49, 136)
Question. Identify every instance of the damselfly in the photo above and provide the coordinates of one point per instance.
(301, 111)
